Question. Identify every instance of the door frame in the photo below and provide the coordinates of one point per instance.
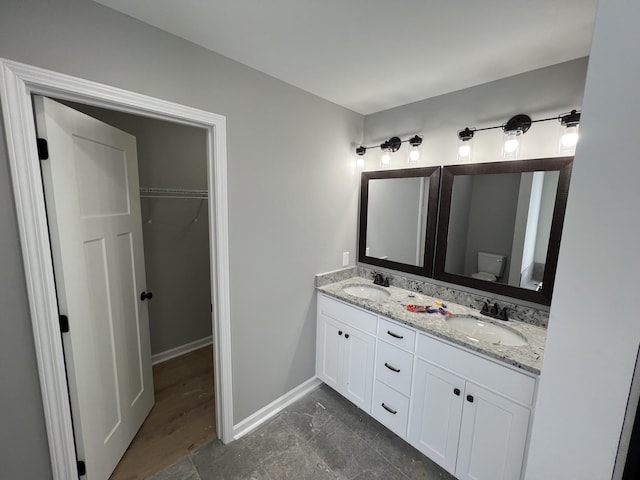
(17, 83)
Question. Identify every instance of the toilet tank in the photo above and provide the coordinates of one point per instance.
(491, 263)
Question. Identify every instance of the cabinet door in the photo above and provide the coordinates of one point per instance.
(358, 367)
(436, 411)
(330, 351)
(493, 435)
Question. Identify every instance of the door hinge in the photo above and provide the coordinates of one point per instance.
(64, 323)
(43, 149)
(82, 468)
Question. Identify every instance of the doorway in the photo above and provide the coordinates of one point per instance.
(18, 83)
(174, 231)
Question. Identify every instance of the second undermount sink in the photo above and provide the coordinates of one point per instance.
(476, 329)
(368, 292)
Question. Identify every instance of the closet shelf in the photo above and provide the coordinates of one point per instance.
(149, 192)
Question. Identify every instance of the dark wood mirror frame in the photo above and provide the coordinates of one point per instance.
(433, 173)
(561, 164)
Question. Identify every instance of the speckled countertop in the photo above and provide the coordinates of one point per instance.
(527, 357)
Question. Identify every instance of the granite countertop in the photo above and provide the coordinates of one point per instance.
(527, 357)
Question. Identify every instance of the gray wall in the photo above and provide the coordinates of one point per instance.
(292, 198)
(458, 224)
(589, 357)
(176, 249)
(492, 216)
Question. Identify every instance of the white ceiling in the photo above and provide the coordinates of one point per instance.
(371, 55)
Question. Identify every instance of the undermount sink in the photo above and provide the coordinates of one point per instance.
(368, 292)
(476, 329)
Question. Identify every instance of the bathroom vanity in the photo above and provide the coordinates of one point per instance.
(466, 403)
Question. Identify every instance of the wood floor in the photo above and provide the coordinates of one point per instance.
(183, 417)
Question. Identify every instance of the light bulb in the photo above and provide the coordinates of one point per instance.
(511, 144)
(570, 137)
(360, 162)
(464, 150)
(385, 160)
(414, 155)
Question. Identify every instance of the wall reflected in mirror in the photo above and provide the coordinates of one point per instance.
(398, 213)
(396, 219)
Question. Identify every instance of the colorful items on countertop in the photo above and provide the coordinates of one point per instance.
(440, 308)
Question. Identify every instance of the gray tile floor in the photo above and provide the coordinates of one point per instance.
(321, 436)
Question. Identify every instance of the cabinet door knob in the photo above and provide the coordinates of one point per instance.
(456, 391)
(470, 398)
(339, 332)
(392, 368)
(146, 296)
(346, 335)
(390, 410)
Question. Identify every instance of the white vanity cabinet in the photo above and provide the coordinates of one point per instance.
(345, 350)
(468, 414)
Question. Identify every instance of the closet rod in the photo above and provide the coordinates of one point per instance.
(148, 192)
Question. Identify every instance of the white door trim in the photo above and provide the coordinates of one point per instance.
(17, 83)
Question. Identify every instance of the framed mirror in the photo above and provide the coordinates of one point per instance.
(398, 214)
(500, 226)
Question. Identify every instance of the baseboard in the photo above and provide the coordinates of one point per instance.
(265, 413)
(181, 350)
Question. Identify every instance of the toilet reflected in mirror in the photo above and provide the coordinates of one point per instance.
(490, 266)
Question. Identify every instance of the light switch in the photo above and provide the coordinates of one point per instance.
(345, 259)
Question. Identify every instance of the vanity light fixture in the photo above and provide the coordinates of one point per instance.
(571, 121)
(360, 151)
(389, 147)
(517, 126)
(414, 152)
(464, 148)
(513, 129)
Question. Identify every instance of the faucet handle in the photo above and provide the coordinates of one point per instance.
(485, 308)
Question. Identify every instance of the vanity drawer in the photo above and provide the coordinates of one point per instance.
(390, 408)
(496, 377)
(352, 316)
(396, 334)
(394, 367)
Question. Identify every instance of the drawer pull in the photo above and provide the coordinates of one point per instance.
(390, 410)
(392, 368)
(395, 335)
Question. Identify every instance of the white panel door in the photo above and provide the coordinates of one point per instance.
(493, 436)
(93, 209)
(436, 412)
(359, 367)
(331, 351)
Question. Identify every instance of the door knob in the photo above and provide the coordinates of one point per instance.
(146, 296)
